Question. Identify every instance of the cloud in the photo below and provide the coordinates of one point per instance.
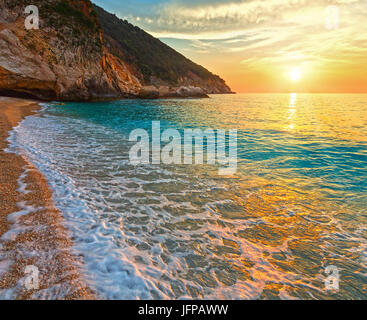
(195, 19)
(256, 34)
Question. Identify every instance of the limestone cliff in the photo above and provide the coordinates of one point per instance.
(153, 62)
(65, 59)
(81, 52)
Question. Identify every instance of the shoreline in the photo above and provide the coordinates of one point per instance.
(111, 99)
(31, 228)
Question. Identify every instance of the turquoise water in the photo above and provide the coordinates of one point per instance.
(296, 205)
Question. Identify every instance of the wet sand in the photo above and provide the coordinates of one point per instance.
(37, 238)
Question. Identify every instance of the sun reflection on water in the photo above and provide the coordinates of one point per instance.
(296, 205)
(292, 110)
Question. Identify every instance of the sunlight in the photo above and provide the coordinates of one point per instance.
(295, 74)
(292, 110)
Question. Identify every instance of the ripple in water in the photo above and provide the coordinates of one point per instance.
(296, 205)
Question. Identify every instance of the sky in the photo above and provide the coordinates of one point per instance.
(263, 45)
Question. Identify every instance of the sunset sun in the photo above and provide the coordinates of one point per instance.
(295, 75)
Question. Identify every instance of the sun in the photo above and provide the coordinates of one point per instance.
(295, 75)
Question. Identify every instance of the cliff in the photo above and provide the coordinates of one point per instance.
(153, 62)
(65, 59)
(80, 53)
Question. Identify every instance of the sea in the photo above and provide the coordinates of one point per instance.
(289, 223)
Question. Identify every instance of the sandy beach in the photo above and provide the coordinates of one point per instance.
(31, 228)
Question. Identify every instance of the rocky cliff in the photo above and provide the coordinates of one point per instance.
(155, 64)
(74, 56)
(65, 59)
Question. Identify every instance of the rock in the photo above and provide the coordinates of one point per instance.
(164, 92)
(149, 92)
(191, 92)
(50, 64)
(72, 58)
(154, 62)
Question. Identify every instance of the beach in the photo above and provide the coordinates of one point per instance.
(31, 228)
(293, 209)
(183, 151)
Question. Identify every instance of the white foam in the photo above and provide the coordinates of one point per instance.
(107, 269)
(136, 228)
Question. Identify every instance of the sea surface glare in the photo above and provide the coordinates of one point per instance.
(296, 205)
